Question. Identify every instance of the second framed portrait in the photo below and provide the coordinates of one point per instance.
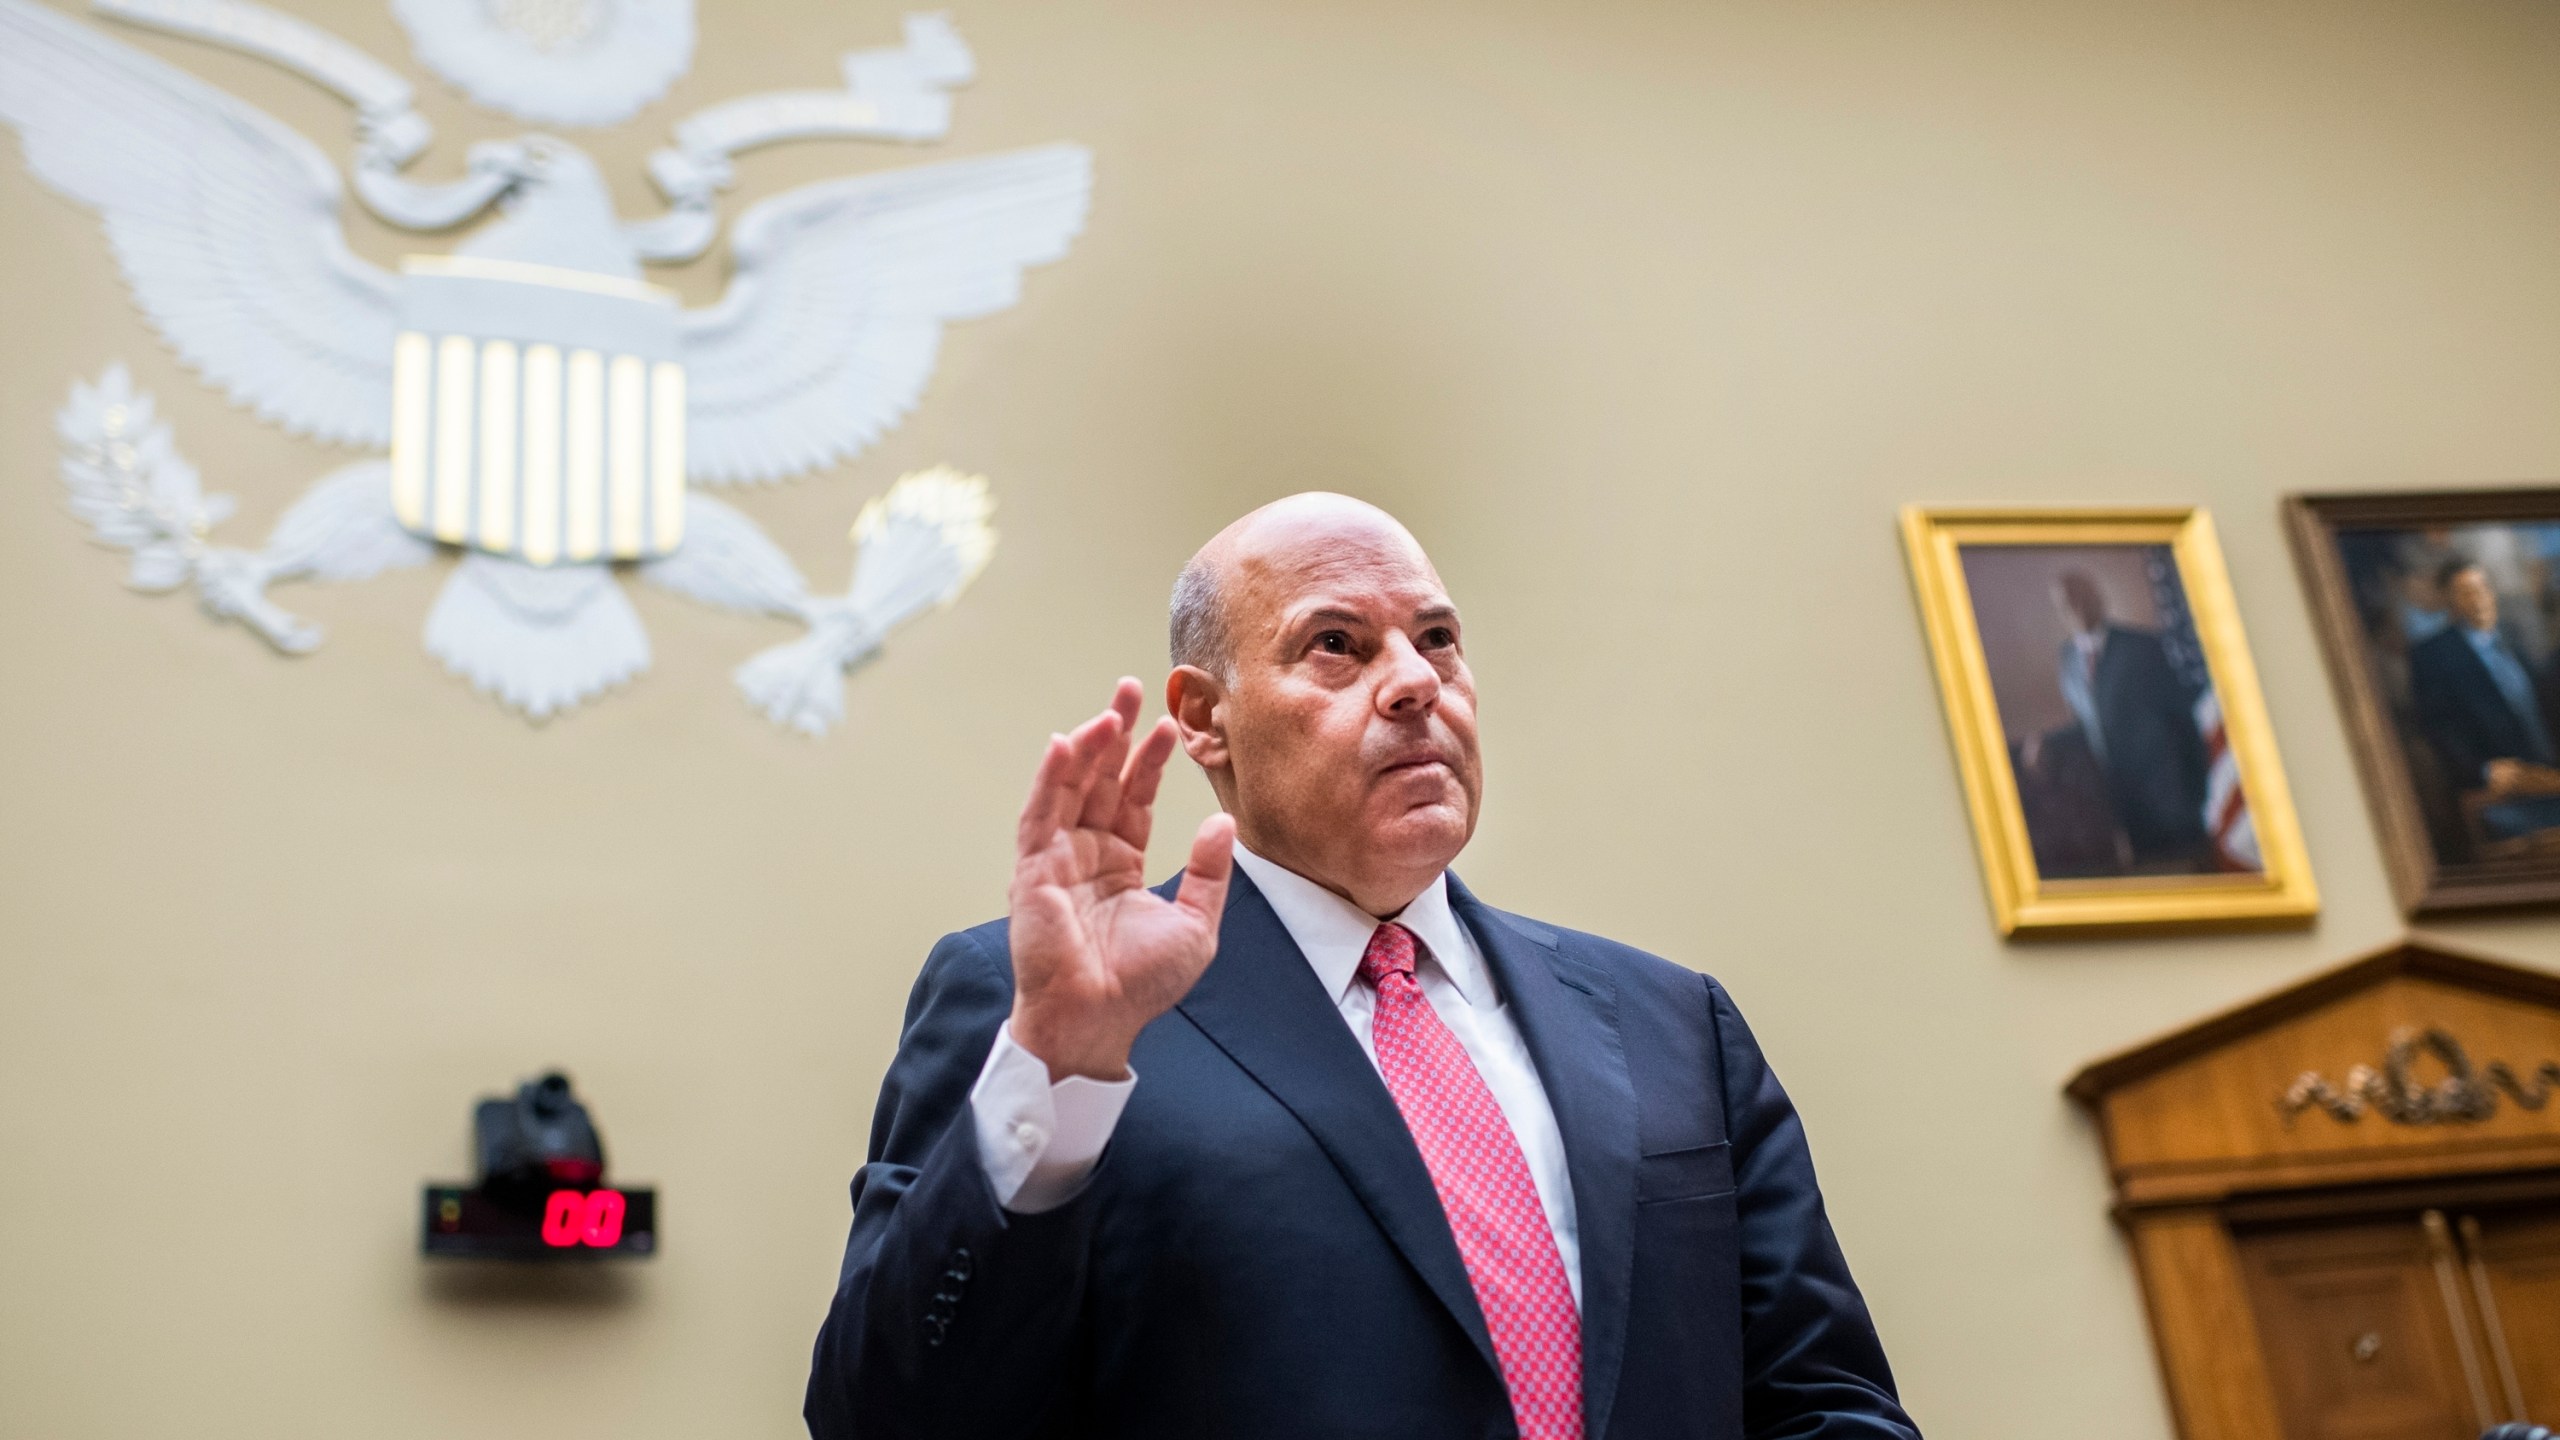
(2440, 615)
(2114, 748)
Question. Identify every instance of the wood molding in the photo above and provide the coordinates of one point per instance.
(2210, 1356)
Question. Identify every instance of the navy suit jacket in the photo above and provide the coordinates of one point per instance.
(2464, 714)
(2158, 770)
(1261, 1253)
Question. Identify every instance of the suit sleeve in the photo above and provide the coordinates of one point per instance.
(1812, 1366)
(952, 1317)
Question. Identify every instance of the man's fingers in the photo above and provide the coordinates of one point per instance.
(1089, 742)
(1140, 781)
(1102, 791)
(1146, 766)
(1101, 806)
(1076, 766)
(1126, 698)
(1084, 746)
(1065, 774)
(1043, 811)
(1213, 862)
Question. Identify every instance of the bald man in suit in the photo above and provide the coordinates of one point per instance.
(1309, 1141)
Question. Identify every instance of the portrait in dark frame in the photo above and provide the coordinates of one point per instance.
(2440, 616)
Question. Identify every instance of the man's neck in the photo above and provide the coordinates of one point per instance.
(1382, 902)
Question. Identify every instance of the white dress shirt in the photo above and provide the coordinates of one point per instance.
(1040, 1142)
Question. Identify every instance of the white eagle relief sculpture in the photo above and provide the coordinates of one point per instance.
(546, 411)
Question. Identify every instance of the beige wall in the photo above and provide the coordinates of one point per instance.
(1645, 316)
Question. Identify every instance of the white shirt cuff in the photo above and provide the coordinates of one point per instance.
(1039, 1141)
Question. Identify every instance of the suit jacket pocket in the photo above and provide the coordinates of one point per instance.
(1691, 1174)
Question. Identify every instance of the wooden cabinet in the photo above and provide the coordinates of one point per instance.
(2358, 1341)
(2375, 1329)
(2343, 1201)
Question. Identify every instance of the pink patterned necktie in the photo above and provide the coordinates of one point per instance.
(1484, 1185)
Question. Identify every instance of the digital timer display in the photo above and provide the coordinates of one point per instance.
(594, 1219)
(563, 1223)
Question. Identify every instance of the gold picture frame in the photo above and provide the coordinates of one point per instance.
(2107, 848)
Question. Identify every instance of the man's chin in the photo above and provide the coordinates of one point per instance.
(1426, 836)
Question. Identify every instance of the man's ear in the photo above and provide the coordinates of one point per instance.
(1197, 702)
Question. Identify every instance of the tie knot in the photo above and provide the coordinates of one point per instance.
(1392, 951)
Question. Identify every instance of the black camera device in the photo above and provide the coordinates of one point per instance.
(541, 1192)
(538, 1141)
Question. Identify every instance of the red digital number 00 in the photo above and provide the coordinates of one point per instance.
(570, 1218)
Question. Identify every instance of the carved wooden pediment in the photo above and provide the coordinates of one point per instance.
(2417, 1060)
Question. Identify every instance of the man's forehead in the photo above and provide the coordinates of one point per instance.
(1350, 569)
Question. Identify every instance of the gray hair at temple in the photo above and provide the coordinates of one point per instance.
(1198, 626)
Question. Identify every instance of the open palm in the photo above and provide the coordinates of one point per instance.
(1096, 954)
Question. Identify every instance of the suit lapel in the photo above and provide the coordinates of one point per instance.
(1260, 1002)
(1568, 1014)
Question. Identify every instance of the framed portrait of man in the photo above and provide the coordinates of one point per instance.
(2108, 728)
(2439, 613)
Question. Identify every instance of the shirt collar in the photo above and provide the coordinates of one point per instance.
(1333, 933)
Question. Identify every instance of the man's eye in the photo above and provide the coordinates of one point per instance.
(1439, 637)
(1334, 642)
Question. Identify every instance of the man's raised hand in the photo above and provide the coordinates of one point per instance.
(1096, 954)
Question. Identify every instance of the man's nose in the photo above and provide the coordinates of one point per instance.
(1412, 685)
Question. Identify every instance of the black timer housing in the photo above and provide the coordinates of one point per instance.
(541, 1192)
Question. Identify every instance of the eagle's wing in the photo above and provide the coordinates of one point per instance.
(726, 561)
(224, 221)
(829, 327)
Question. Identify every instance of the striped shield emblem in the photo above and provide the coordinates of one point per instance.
(537, 412)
